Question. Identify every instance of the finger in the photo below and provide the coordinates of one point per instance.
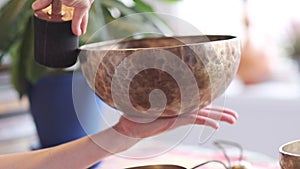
(84, 23)
(40, 4)
(207, 122)
(216, 115)
(78, 16)
(186, 119)
(224, 110)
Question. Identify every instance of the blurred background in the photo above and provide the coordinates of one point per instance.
(265, 93)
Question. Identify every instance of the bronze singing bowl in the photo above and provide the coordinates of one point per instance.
(161, 76)
(290, 155)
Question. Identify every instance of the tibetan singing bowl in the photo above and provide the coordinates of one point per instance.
(289, 155)
(161, 76)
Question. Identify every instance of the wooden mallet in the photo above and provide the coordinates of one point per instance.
(55, 45)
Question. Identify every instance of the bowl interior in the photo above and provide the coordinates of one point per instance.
(291, 148)
(154, 42)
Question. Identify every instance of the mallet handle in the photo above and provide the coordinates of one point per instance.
(56, 7)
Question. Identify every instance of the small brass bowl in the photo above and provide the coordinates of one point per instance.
(161, 76)
(290, 155)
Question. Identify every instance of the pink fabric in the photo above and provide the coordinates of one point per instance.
(185, 157)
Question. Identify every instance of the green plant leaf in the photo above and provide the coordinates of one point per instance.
(13, 17)
(119, 5)
(142, 6)
(33, 70)
(17, 71)
(170, 0)
(124, 10)
(156, 21)
(127, 25)
(25, 70)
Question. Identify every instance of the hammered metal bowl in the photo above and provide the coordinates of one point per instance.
(161, 76)
(290, 155)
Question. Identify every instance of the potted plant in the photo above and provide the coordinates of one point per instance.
(50, 90)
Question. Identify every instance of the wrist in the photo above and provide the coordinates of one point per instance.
(113, 141)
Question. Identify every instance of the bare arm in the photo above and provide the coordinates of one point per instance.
(78, 154)
(86, 151)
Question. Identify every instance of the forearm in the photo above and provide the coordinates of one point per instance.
(86, 151)
(78, 154)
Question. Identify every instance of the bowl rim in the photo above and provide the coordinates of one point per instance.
(88, 46)
(288, 153)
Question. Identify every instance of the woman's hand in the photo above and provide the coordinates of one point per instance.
(80, 16)
(208, 116)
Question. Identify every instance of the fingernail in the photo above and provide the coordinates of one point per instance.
(233, 120)
(217, 126)
(78, 32)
